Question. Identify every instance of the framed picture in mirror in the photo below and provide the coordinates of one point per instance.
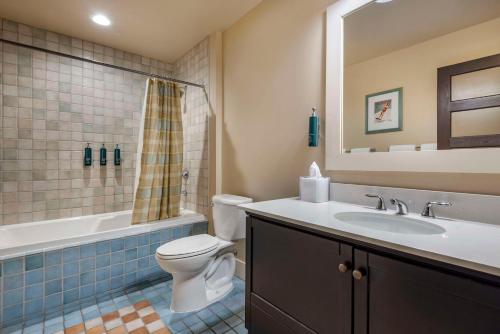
(384, 111)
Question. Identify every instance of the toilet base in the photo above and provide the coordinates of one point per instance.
(193, 292)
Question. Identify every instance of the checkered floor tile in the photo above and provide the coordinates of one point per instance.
(135, 319)
(142, 309)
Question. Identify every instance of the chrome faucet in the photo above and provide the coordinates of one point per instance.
(401, 207)
(429, 212)
(380, 204)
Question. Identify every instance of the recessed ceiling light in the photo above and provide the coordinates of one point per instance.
(382, 1)
(101, 20)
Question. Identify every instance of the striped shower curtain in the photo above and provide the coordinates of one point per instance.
(158, 189)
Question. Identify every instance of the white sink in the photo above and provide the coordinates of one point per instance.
(389, 223)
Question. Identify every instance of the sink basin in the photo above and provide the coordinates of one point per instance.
(389, 223)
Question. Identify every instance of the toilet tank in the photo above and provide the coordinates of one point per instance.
(229, 220)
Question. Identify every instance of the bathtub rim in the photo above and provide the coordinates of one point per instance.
(187, 217)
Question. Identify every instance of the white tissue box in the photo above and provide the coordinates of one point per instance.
(314, 189)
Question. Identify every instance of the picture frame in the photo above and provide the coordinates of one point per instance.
(384, 111)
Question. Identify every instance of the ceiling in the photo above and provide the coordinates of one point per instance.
(161, 29)
(378, 29)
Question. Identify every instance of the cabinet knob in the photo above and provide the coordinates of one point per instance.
(358, 274)
(344, 267)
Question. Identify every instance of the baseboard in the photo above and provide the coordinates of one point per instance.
(240, 269)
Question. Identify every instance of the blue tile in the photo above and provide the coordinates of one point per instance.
(34, 261)
(118, 257)
(13, 266)
(164, 235)
(155, 237)
(142, 274)
(87, 251)
(87, 278)
(131, 242)
(117, 282)
(70, 269)
(143, 251)
(102, 261)
(52, 287)
(92, 314)
(102, 286)
(11, 327)
(34, 276)
(34, 328)
(33, 291)
(187, 230)
(102, 274)
(103, 247)
(131, 254)
(153, 248)
(130, 278)
(53, 301)
(130, 266)
(87, 265)
(117, 245)
(13, 282)
(143, 262)
(117, 270)
(53, 272)
(34, 306)
(13, 297)
(71, 282)
(54, 318)
(71, 254)
(143, 239)
(87, 291)
(54, 328)
(71, 296)
(53, 257)
(177, 232)
(12, 312)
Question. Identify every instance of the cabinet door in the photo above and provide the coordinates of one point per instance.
(395, 297)
(298, 274)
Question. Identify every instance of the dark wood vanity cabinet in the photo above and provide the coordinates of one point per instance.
(300, 281)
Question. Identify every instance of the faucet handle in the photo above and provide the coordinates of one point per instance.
(429, 212)
(380, 204)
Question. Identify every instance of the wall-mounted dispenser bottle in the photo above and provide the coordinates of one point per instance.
(118, 158)
(87, 155)
(313, 129)
(102, 156)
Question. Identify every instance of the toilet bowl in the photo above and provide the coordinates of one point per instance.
(202, 266)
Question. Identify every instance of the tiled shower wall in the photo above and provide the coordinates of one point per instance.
(52, 106)
(194, 67)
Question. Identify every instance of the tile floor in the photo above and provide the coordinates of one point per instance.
(141, 309)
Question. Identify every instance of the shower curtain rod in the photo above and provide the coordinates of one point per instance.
(95, 62)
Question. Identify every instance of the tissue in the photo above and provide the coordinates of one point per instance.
(314, 188)
(314, 170)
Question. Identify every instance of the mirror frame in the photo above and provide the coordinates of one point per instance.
(476, 160)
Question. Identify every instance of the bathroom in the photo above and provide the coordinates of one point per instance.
(264, 196)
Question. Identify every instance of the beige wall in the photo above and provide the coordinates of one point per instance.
(273, 74)
(415, 69)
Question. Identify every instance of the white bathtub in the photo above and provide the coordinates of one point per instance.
(28, 238)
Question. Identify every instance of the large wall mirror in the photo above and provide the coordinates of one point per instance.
(413, 85)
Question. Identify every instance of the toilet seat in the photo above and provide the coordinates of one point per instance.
(187, 247)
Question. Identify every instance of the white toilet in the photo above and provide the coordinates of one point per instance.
(203, 266)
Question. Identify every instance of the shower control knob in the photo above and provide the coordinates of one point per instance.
(344, 267)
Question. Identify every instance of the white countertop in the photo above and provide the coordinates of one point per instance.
(467, 244)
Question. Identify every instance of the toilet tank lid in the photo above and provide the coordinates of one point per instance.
(231, 199)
